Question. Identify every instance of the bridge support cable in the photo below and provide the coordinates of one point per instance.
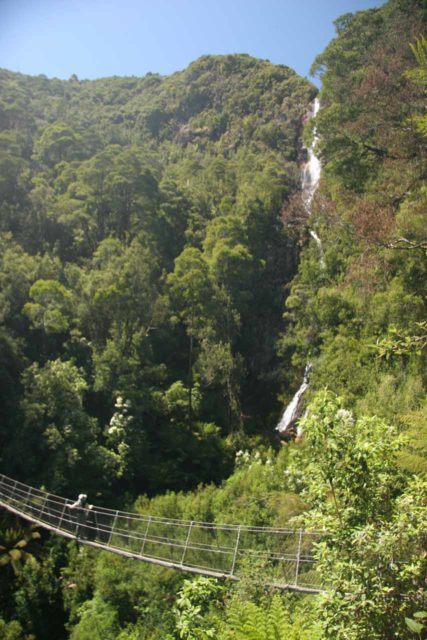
(284, 556)
(298, 556)
(236, 550)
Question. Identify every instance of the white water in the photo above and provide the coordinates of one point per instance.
(309, 181)
(318, 241)
(312, 168)
(291, 413)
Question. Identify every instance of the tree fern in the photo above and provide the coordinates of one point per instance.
(269, 621)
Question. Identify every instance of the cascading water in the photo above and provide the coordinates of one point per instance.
(310, 180)
(318, 242)
(287, 426)
(312, 168)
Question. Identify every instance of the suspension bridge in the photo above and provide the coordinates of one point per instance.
(284, 557)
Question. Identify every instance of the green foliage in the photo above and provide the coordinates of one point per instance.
(195, 599)
(258, 493)
(375, 519)
(134, 598)
(13, 631)
(38, 605)
(123, 275)
(354, 475)
(206, 609)
(367, 574)
(419, 75)
(370, 221)
(98, 621)
(50, 307)
(150, 230)
(414, 456)
(273, 618)
(417, 625)
(57, 142)
(57, 428)
(399, 343)
(77, 580)
(17, 547)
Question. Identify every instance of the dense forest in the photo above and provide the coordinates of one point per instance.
(161, 295)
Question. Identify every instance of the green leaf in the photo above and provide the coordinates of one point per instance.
(21, 544)
(416, 627)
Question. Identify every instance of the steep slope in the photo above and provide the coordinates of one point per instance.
(143, 268)
(354, 318)
(142, 285)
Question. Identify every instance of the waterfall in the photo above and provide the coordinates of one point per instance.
(287, 426)
(311, 171)
(310, 180)
(318, 241)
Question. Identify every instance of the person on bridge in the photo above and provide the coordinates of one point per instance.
(80, 513)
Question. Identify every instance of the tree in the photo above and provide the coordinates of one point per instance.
(98, 621)
(374, 517)
(118, 192)
(58, 141)
(194, 601)
(191, 293)
(13, 177)
(13, 631)
(51, 307)
(57, 429)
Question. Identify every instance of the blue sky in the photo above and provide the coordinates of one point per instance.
(98, 38)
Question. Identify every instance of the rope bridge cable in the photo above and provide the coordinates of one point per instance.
(285, 556)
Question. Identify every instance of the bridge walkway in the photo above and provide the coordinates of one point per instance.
(284, 556)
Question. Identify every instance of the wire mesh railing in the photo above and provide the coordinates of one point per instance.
(283, 557)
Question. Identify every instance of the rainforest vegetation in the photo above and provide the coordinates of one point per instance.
(160, 296)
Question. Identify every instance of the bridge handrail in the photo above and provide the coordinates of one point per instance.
(162, 519)
(206, 548)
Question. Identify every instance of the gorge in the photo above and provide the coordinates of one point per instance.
(163, 286)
